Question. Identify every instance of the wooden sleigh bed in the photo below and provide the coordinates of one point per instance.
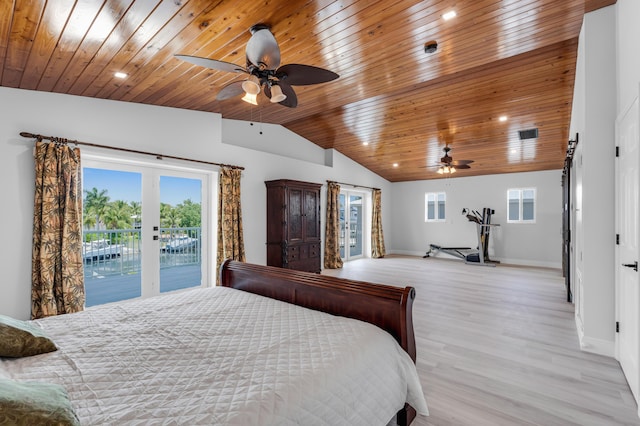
(226, 357)
(387, 307)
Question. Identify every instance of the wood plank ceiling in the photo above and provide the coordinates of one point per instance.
(496, 57)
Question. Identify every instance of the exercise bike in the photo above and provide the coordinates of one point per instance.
(483, 230)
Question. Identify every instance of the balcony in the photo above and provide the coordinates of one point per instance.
(113, 262)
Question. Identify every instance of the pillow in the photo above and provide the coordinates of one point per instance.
(21, 338)
(32, 403)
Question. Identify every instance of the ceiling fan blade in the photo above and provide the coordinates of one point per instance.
(211, 63)
(462, 166)
(303, 75)
(230, 90)
(263, 48)
(461, 162)
(292, 99)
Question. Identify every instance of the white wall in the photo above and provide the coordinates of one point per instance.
(168, 131)
(628, 59)
(538, 244)
(254, 136)
(593, 118)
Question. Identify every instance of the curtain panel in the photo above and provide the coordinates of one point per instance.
(377, 237)
(332, 259)
(230, 234)
(57, 273)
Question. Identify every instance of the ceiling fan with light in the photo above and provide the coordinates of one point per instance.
(265, 72)
(448, 165)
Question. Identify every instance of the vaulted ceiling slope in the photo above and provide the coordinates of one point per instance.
(393, 103)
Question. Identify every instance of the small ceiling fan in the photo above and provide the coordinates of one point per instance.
(265, 72)
(448, 165)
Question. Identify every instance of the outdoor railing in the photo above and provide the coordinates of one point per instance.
(119, 251)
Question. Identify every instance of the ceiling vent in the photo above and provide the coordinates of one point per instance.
(528, 134)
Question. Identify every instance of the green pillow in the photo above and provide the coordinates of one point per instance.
(31, 403)
(21, 338)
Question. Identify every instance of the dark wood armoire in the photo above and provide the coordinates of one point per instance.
(293, 225)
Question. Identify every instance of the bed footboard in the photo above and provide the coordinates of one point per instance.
(387, 307)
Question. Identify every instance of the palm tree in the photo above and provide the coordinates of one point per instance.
(88, 220)
(189, 213)
(118, 215)
(136, 212)
(169, 216)
(95, 204)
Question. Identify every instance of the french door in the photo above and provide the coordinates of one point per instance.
(146, 230)
(351, 224)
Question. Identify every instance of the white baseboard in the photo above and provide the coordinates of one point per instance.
(506, 261)
(593, 345)
(535, 263)
(407, 252)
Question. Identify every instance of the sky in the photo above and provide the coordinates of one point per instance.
(127, 186)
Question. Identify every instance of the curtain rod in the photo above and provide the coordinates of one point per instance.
(350, 184)
(134, 151)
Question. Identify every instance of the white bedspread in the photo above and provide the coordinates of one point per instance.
(225, 357)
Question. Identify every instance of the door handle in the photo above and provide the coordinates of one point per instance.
(633, 265)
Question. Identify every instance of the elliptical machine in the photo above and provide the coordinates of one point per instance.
(483, 231)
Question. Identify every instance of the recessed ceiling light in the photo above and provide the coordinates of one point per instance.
(120, 75)
(449, 15)
(395, 164)
(503, 118)
(365, 143)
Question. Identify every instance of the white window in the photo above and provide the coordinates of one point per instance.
(434, 206)
(521, 205)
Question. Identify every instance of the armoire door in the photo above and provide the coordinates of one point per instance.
(295, 222)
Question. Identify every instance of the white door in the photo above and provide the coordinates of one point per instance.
(627, 275)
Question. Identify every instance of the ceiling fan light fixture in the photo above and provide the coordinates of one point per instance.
(263, 68)
(276, 94)
(251, 85)
(446, 170)
(250, 98)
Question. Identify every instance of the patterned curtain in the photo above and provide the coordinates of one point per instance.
(332, 258)
(377, 238)
(230, 236)
(57, 276)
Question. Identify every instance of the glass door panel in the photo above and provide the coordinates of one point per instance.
(355, 226)
(111, 235)
(351, 210)
(180, 233)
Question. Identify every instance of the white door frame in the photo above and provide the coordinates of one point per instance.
(366, 222)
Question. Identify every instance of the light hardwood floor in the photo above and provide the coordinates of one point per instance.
(498, 346)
